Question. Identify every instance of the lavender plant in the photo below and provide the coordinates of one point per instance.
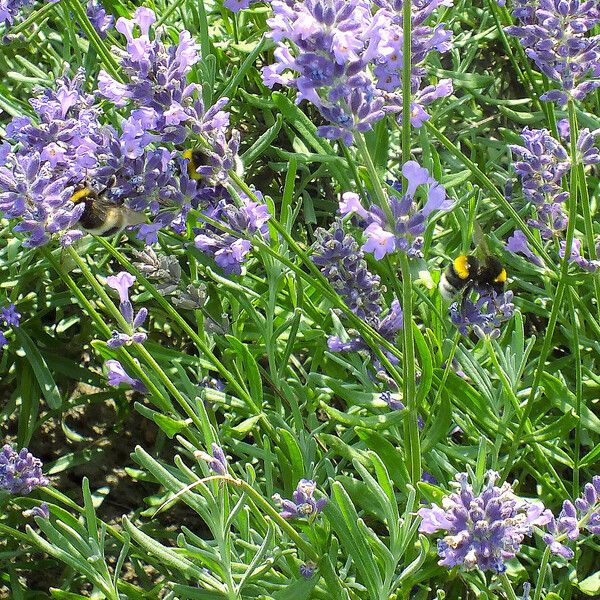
(256, 390)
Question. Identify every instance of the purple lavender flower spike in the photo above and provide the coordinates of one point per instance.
(404, 232)
(484, 315)
(517, 243)
(542, 164)
(117, 375)
(343, 264)
(3, 340)
(20, 472)
(554, 35)
(303, 504)
(229, 250)
(334, 42)
(482, 530)
(389, 58)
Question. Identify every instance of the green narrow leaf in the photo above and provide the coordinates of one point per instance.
(384, 421)
(262, 143)
(40, 369)
(251, 368)
(442, 419)
(343, 518)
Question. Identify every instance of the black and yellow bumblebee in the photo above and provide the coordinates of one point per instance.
(466, 271)
(196, 157)
(102, 216)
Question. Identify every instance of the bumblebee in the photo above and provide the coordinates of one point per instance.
(198, 158)
(467, 271)
(102, 216)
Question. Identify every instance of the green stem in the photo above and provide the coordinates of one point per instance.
(380, 194)
(406, 78)
(507, 587)
(542, 574)
(411, 425)
(578, 394)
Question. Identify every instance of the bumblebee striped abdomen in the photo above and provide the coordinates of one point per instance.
(102, 217)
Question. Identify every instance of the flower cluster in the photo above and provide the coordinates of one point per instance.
(39, 177)
(554, 35)
(344, 265)
(11, 318)
(400, 229)
(584, 514)
(230, 248)
(67, 146)
(542, 164)
(484, 314)
(347, 59)
(122, 282)
(20, 472)
(341, 261)
(334, 41)
(303, 504)
(482, 530)
(424, 41)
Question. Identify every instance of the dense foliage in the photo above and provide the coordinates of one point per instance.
(299, 299)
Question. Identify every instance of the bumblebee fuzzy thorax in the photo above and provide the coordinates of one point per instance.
(458, 275)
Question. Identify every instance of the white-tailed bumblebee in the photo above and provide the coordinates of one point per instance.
(102, 216)
(467, 271)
